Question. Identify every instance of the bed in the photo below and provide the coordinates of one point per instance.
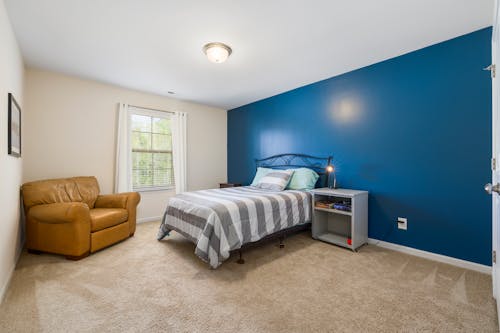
(221, 221)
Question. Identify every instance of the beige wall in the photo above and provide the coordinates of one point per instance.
(11, 80)
(69, 130)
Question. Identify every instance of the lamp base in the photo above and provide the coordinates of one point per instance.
(328, 180)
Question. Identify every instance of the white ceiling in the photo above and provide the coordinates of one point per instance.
(278, 45)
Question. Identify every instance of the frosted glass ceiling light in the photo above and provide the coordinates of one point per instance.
(217, 52)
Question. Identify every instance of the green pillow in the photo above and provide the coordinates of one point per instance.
(261, 172)
(303, 179)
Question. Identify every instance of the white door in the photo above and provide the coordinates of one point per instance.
(495, 188)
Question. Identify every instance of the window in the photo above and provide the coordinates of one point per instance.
(151, 141)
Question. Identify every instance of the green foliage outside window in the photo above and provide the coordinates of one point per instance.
(151, 141)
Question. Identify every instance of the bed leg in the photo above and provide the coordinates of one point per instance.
(282, 245)
(240, 261)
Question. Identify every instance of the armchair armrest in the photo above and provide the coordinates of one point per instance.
(59, 228)
(119, 200)
(64, 212)
(127, 200)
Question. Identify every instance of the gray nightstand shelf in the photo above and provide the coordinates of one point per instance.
(344, 228)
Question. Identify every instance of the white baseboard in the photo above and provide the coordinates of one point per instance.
(5, 287)
(432, 256)
(149, 219)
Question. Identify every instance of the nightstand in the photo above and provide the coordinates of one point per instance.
(224, 185)
(340, 226)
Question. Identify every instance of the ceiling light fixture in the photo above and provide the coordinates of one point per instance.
(217, 52)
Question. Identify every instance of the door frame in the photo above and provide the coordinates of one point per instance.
(495, 173)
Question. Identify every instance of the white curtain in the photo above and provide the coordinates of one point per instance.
(123, 177)
(179, 150)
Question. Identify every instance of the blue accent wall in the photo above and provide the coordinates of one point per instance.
(414, 130)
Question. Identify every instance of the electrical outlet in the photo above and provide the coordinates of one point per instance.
(402, 223)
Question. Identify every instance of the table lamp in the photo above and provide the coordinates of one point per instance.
(330, 169)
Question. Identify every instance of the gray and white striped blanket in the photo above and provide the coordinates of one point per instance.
(221, 220)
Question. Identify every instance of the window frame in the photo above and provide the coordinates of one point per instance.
(141, 111)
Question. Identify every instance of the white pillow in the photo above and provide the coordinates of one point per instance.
(276, 180)
(261, 172)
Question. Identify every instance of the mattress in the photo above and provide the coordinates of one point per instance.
(221, 220)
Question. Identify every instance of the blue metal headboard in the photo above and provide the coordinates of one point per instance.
(292, 161)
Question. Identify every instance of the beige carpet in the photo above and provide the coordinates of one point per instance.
(142, 285)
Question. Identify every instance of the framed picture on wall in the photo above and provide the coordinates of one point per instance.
(14, 130)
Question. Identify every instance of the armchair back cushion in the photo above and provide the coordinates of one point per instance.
(76, 189)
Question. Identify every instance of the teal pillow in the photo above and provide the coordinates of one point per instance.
(303, 179)
(261, 172)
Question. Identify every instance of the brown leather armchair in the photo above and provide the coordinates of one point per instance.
(68, 216)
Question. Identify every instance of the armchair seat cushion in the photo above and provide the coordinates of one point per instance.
(102, 218)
